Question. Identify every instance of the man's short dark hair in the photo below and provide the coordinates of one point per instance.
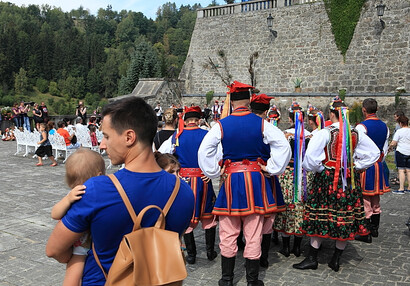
(370, 105)
(133, 113)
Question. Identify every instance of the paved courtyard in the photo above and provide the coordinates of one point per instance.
(27, 194)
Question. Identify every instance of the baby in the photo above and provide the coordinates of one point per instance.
(80, 166)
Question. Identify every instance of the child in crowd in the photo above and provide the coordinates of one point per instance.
(93, 135)
(168, 162)
(45, 147)
(8, 135)
(80, 166)
(51, 128)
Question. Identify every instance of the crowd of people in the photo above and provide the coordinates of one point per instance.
(321, 183)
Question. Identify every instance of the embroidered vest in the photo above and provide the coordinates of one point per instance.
(331, 147)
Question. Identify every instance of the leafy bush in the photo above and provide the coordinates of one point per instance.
(42, 85)
(8, 100)
(53, 89)
(343, 15)
(342, 94)
(355, 113)
(209, 96)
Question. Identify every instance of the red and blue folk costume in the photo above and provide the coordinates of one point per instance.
(375, 179)
(274, 182)
(245, 190)
(186, 152)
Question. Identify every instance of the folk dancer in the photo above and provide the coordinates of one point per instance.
(244, 197)
(374, 180)
(334, 206)
(316, 120)
(274, 115)
(184, 144)
(293, 182)
(260, 105)
(216, 111)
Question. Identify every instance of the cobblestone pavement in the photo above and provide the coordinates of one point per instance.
(27, 194)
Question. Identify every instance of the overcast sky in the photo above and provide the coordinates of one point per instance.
(147, 7)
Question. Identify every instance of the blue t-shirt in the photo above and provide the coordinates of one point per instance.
(102, 211)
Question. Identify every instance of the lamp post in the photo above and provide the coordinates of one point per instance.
(380, 12)
(270, 25)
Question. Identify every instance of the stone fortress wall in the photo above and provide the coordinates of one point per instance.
(376, 63)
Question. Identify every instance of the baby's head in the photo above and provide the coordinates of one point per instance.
(168, 162)
(82, 165)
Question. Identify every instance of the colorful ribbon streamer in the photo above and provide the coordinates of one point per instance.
(299, 177)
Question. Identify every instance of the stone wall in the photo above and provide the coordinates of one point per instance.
(377, 60)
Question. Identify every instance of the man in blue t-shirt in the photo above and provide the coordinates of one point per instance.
(129, 126)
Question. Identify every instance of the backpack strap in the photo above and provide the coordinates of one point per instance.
(172, 197)
(124, 197)
(130, 209)
(98, 260)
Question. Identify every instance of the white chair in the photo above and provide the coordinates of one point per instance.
(58, 144)
(100, 136)
(21, 141)
(32, 140)
(83, 138)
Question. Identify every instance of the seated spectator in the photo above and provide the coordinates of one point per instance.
(51, 128)
(68, 125)
(79, 127)
(67, 137)
(8, 134)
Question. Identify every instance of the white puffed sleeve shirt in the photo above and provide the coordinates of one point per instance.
(364, 156)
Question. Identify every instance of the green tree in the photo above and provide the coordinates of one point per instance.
(92, 100)
(21, 85)
(126, 30)
(93, 81)
(74, 87)
(144, 63)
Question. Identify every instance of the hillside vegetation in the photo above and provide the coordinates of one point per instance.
(64, 57)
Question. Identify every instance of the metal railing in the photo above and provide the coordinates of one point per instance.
(236, 8)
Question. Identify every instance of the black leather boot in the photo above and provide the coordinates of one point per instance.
(275, 237)
(285, 246)
(297, 240)
(310, 262)
(240, 242)
(210, 243)
(375, 221)
(365, 238)
(334, 262)
(190, 247)
(252, 272)
(228, 265)
(263, 261)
